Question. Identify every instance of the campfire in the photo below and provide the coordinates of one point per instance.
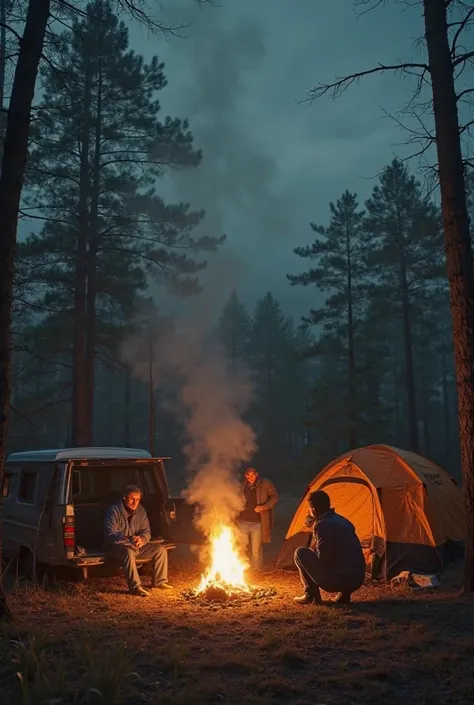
(225, 575)
(224, 581)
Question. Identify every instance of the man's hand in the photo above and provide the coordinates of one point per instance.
(139, 541)
(259, 508)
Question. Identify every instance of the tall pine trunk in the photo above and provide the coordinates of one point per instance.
(234, 348)
(93, 246)
(426, 415)
(126, 420)
(15, 150)
(3, 52)
(446, 410)
(396, 400)
(458, 247)
(350, 346)
(408, 353)
(80, 436)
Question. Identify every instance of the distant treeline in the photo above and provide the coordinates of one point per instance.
(373, 364)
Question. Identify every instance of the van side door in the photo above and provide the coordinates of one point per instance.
(23, 509)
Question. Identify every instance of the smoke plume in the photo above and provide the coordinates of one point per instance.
(213, 74)
(212, 399)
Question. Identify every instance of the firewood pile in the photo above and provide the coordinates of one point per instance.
(223, 596)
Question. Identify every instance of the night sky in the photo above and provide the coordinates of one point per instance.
(272, 164)
(240, 71)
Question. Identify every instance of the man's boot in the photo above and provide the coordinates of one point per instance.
(344, 598)
(310, 597)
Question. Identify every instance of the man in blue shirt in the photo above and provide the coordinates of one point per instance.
(127, 536)
(335, 562)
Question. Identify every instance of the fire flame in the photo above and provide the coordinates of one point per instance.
(226, 569)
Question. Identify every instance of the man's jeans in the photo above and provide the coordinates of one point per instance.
(253, 530)
(314, 575)
(127, 557)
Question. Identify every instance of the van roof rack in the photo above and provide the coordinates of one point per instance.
(84, 453)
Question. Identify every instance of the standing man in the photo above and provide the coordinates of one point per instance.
(335, 563)
(127, 537)
(256, 519)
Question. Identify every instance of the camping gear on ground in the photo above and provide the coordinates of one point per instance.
(407, 511)
(416, 581)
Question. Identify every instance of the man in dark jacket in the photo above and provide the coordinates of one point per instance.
(336, 562)
(256, 519)
(127, 536)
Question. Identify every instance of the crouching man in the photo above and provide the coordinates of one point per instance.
(335, 563)
(127, 537)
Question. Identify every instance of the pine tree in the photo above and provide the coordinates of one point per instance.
(339, 272)
(297, 382)
(380, 415)
(326, 418)
(406, 256)
(233, 330)
(101, 144)
(270, 348)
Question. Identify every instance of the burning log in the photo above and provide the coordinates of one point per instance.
(215, 593)
(224, 583)
(215, 597)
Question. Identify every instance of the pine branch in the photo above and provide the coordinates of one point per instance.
(462, 25)
(335, 89)
(463, 58)
(10, 29)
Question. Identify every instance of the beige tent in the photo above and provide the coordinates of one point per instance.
(407, 511)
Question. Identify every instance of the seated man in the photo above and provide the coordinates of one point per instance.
(336, 563)
(127, 536)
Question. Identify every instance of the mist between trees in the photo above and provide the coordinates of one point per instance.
(372, 364)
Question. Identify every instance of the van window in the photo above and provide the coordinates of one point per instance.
(83, 484)
(120, 477)
(6, 485)
(103, 483)
(27, 487)
(150, 483)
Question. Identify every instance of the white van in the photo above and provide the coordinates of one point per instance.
(54, 504)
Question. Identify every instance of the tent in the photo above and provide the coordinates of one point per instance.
(407, 511)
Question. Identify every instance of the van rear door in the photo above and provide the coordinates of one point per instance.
(96, 484)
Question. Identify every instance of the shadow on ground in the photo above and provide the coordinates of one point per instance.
(87, 643)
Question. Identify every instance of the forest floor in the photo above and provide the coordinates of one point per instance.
(93, 643)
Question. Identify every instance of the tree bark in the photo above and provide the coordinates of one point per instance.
(3, 42)
(426, 416)
(93, 246)
(151, 393)
(126, 424)
(446, 410)
(396, 395)
(350, 345)
(79, 432)
(457, 245)
(408, 351)
(14, 156)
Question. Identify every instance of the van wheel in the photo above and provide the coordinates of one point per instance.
(27, 567)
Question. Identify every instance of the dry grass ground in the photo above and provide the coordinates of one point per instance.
(92, 643)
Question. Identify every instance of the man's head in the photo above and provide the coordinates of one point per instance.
(131, 497)
(251, 476)
(319, 503)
